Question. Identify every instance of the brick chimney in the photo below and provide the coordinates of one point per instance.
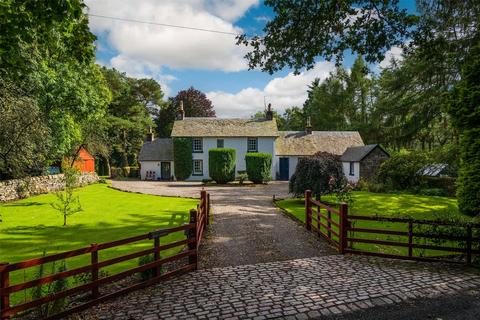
(269, 112)
(181, 113)
(308, 126)
(150, 136)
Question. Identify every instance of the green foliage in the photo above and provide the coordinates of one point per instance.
(54, 287)
(47, 52)
(326, 29)
(23, 133)
(321, 173)
(182, 155)
(258, 167)
(221, 164)
(129, 114)
(402, 170)
(67, 202)
(465, 110)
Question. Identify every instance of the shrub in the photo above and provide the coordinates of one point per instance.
(221, 164)
(402, 170)
(315, 173)
(242, 177)
(130, 172)
(446, 184)
(51, 288)
(149, 273)
(116, 172)
(182, 155)
(259, 166)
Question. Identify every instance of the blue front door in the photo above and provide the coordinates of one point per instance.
(284, 173)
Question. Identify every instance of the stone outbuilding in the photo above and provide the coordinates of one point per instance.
(363, 162)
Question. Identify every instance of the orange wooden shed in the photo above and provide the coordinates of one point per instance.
(85, 161)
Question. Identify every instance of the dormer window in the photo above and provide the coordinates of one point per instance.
(252, 145)
(197, 145)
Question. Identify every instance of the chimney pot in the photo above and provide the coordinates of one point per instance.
(308, 126)
(181, 114)
(150, 136)
(269, 112)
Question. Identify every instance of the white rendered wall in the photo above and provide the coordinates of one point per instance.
(265, 145)
(292, 165)
(346, 171)
(153, 166)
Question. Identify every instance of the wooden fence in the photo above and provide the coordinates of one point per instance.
(199, 219)
(337, 226)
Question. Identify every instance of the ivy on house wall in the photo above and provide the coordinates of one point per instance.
(182, 155)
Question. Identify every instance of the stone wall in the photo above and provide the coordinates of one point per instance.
(371, 163)
(22, 188)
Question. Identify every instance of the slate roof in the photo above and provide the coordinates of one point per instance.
(433, 170)
(355, 154)
(299, 143)
(157, 150)
(218, 127)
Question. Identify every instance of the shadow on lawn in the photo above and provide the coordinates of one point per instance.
(25, 204)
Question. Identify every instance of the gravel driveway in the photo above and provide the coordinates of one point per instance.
(247, 228)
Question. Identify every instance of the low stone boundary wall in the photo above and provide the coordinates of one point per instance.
(22, 188)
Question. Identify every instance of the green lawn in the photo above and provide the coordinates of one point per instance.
(31, 226)
(389, 205)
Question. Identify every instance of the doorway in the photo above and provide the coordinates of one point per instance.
(166, 172)
(284, 168)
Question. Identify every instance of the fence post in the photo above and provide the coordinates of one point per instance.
(208, 208)
(193, 259)
(410, 239)
(4, 283)
(308, 209)
(94, 262)
(203, 197)
(156, 256)
(469, 244)
(343, 227)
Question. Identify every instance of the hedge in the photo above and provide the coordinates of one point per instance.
(259, 166)
(182, 156)
(221, 164)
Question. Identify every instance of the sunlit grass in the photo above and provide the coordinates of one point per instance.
(389, 205)
(31, 226)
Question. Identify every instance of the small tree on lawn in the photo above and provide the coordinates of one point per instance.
(68, 203)
(320, 173)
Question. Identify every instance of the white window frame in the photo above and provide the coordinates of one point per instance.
(196, 142)
(352, 168)
(199, 172)
(223, 143)
(249, 140)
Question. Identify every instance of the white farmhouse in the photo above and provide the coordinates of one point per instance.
(243, 135)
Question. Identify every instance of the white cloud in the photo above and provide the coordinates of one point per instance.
(281, 92)
(395, 53)
(166, 46)
(141, 70)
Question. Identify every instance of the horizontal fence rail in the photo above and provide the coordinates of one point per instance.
(339, 228)
(194, 229)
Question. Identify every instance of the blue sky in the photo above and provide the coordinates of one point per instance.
(210, 62)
